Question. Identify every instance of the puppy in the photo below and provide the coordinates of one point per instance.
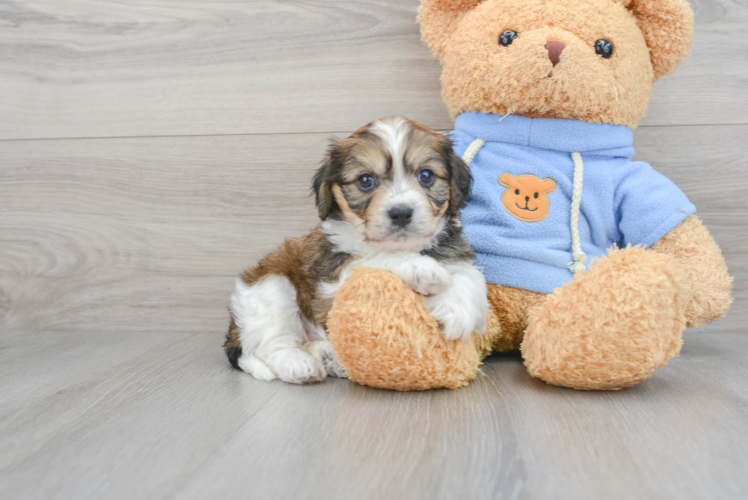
(389, 197)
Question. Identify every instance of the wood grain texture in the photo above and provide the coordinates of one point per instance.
(98, 68)
(137, 234)
(143, 232)
(162, 415)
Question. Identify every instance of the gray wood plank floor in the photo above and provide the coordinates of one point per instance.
(162, 415)
(151, 150)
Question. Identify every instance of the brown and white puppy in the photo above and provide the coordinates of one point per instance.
(389, 197)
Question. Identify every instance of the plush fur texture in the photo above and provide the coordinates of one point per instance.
(510, 311)
(630, 302)
(634, 303)
(385, 337)
(702, 268)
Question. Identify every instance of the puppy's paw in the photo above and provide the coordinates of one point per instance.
(459, 317)
(333, 368)
(322, 351)
(296, 366)
(427, 277)
(255, 367)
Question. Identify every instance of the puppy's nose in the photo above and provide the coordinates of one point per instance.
(400, 215)
(554, 51)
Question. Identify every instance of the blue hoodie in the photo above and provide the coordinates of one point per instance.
(524, 239)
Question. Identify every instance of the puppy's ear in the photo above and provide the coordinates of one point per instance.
(322, 189)
(326, 177)
(667, 26)
(438, 20)
(460, 178)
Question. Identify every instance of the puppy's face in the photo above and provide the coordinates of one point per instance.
(396, 181)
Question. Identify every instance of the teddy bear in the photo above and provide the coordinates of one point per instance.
(596, 263)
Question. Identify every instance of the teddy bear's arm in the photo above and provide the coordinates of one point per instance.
(703, 269)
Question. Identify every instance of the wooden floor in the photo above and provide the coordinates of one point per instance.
(161, 415)
(151, 150)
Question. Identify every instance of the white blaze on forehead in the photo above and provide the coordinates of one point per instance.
(403, 190)
(394, 134)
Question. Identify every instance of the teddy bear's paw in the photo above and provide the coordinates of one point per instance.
(611, 327)
(426, 276)
(458, 317)
(385, 336)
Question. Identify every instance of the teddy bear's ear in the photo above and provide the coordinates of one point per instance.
(505, 179)
(548, 185)
(667, 26)
(438, 20)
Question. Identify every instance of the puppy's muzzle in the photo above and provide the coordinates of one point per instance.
(400, 215)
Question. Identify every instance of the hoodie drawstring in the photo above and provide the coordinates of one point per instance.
(472, 150)
(580, 258)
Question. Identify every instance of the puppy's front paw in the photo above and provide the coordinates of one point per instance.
(427, 277)
(296, 366)
(333, 368)
(322, 351)
(458, 317)
(258, 369)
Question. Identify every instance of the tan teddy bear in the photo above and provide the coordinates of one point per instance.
(596, 263)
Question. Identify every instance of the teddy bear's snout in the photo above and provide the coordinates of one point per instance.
(554, 51)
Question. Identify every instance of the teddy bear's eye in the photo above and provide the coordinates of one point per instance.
(604, 48)
(507, 37)
(516, 191)
(536, 196)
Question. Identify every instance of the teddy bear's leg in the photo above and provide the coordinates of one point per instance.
(508, 313)
(702, 268)
(612, 326)
(384, 336)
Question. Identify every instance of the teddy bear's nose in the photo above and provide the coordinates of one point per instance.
(554, 51)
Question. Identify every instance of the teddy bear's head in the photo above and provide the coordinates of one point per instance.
(591, 60)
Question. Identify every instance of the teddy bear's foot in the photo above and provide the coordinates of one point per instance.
(611, 327)
(384, 336)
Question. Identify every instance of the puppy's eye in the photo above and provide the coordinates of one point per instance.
(536, 196)
(507, 37)
(426, 178)
(516, 191)
(366, 182)
(604, 48)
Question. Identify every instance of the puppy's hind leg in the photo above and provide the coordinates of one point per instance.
(271, 332)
